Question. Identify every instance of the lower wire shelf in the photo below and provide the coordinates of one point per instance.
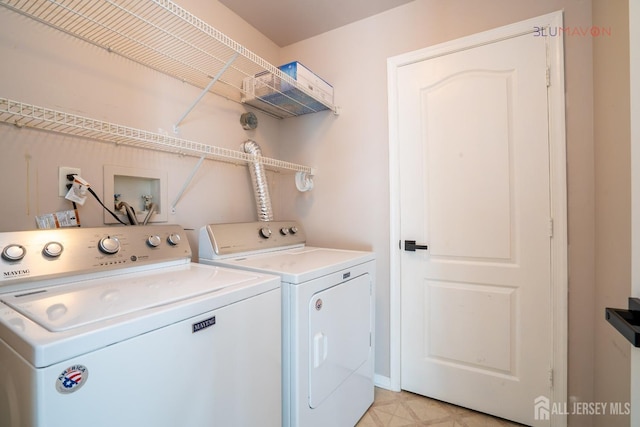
(25, 115)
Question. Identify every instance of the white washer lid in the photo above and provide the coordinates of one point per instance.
(65, 307)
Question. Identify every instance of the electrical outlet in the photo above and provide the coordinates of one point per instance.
(63, 171)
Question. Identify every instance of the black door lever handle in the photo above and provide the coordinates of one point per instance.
(410, 245)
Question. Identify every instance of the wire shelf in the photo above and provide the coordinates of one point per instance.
(26, 115)
(165, 37)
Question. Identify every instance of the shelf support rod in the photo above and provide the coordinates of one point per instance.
(204, 91)
(186, 184)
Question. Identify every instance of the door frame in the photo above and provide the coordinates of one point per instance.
(634, 60)
(557, 167)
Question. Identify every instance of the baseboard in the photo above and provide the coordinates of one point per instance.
(382, 382)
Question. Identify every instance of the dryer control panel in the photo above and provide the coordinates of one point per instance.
(219, 240)
(33, 255)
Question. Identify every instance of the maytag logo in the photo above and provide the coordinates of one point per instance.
(197, 327)
(16, 273)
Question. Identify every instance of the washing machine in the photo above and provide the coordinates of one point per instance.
(115, 326)
(328, 316)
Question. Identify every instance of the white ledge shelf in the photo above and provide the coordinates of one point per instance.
(165, 37)
(25, 115)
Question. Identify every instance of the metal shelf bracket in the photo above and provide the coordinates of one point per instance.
(204, 92)
(186, 184)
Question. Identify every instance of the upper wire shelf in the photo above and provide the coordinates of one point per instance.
(26, 115)
(165, 37)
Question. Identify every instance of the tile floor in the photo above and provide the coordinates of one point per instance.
(404, 409)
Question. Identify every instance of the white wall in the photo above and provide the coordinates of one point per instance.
(613, 203)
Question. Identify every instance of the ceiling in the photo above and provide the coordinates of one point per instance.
(289, 21)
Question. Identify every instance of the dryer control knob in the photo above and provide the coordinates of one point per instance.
(173, 239)
(154, 241)
(14, 252)
(109, 245)
(284, 231)
(265, 232)
(52, 249)
(293, 229)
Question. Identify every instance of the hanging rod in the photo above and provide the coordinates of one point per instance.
(25, 115)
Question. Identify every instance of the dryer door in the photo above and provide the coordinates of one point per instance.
(339, 335)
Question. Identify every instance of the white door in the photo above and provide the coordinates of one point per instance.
(475, 189)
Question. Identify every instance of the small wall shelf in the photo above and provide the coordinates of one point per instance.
(165, 37)
(21, 114)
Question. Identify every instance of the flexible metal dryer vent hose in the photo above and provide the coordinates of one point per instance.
(259, 180)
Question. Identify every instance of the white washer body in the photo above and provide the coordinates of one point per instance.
(328, 324)
(147, 344)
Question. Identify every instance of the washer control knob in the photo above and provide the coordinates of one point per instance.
(293, 229)
(265, 232)
(284, 231)
(52, 249)
(173, 239)
(154, 241)
(14, 252)
(109, 245)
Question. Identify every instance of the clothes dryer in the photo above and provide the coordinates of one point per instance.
(328, 316)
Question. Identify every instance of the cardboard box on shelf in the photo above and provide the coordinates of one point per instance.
(309, 80)
(308, 95)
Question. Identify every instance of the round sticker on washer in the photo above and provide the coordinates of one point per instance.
(319, 304)
(72, 378)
